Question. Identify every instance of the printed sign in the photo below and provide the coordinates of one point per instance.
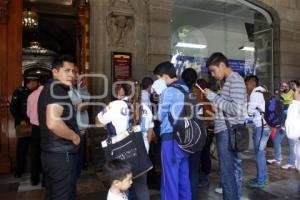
(121, 66)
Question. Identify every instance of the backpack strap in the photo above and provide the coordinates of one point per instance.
(179, 87)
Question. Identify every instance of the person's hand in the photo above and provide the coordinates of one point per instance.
(210, 95)
(76, 139)
(297, 94)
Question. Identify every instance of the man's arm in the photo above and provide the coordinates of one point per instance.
(233, 107)
(57, 125)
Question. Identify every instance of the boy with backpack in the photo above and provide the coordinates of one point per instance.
(175, 182)
(261, 133)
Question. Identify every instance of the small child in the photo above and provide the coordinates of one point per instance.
(118, 173)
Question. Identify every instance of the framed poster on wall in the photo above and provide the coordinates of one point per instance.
(121, 66)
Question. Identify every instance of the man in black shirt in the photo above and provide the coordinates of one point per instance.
(60, 137)
(18, 107)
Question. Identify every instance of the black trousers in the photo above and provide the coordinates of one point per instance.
(36, 167)
(21, 154)
(61, 175)
(205, 161)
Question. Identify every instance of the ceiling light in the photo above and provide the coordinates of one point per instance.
(30, 20)
(247, 48)
(191, 45)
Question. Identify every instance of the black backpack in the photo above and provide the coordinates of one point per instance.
(189, 130)
(273, 115)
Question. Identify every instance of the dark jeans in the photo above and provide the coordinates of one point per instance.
(21, 154)
(81, 156)
(200, 163)
(61, 175)
(139, 189)
(36, 166)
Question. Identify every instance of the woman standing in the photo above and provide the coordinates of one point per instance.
(118, 116)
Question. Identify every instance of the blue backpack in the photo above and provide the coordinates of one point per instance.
(274, 114)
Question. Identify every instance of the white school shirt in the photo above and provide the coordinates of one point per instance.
(146, 123)
(117, 113)
(256, 105)
(113, 196)
(145, 98)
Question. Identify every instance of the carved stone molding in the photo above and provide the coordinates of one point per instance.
(120, 21)
(3, 11)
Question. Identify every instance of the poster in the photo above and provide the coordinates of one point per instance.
(243, 67)
(121, 66)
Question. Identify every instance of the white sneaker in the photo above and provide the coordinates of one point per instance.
(274, 161)
(219, 190)
(287, 166)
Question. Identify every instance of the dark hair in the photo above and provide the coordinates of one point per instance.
(59, 61)
(116, 169)
(166, 68)
(252, 78)
(295, 81)
(189, 76)
(216, 58)
(146, 82)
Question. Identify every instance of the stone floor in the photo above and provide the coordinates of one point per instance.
(282, 184)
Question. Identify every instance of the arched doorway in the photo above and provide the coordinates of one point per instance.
(62, 28)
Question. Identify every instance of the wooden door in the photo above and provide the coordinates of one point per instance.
(10, 76)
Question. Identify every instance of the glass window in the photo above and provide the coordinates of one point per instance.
(240, 30)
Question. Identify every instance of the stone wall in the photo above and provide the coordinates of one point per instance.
(287, 37)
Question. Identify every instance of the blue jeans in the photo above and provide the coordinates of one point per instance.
(230, 164)
(260, 140)
(280, 135)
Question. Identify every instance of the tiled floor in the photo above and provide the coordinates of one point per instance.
(282, 185)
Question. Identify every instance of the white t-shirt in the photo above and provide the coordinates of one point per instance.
(113, 196)
(146, 123)
(117, 113)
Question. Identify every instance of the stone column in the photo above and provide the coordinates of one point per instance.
(159, 32)
(287, 37)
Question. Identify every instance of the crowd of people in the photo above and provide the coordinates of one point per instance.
(56, 112)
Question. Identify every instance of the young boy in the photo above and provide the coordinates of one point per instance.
(118, 173)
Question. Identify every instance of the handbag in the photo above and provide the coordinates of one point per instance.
(238, 136)
(128, 146)
(23, 131)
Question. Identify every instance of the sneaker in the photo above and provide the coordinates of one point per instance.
(287, 166)
(219, 190)
(254, 180)
(255, 185)
(274, 162)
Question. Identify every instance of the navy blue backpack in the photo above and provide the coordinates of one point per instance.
(274, 114)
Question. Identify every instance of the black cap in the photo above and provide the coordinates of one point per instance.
(32, 78)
